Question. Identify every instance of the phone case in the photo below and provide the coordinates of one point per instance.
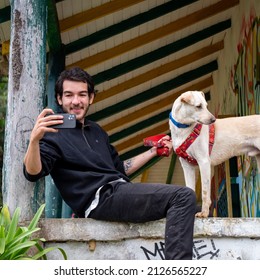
(69, 121)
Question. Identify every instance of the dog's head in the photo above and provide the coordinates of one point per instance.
(191, 107)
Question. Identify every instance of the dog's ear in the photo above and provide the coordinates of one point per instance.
(186, 97)
(202, 93)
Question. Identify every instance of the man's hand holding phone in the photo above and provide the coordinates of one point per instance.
(63, 120)
(47, 121)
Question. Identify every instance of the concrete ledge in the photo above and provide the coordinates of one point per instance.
(86, 239)
(89, 229)
(227, 227)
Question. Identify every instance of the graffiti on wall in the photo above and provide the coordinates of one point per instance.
(202, 249)
(22, 131)
(158, 251)
(245, 79)
(205, 249)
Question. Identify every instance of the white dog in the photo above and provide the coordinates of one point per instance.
(196, 144)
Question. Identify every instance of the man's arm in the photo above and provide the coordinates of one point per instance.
(32, 159)
(133, 164)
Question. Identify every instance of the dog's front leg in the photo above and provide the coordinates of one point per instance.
(189, 173)
(205, 173)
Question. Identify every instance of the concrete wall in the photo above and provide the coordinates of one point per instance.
(87, 239)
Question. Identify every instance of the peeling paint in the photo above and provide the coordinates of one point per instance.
(17, 66)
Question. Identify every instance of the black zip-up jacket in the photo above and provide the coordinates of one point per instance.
(80, 160)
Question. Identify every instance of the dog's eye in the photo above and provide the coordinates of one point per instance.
(199, 106)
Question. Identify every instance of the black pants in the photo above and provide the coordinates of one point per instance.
(138, 203)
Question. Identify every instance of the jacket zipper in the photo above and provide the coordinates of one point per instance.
(85, 138)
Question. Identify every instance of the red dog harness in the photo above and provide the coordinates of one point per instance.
(181, 150)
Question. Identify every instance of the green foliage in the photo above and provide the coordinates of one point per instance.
(16, 242)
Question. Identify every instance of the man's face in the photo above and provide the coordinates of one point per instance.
(76, 99)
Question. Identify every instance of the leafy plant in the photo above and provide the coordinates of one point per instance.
(16, 242)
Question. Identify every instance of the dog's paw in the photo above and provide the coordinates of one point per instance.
(204, 214)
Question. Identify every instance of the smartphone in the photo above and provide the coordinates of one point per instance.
(69, 121)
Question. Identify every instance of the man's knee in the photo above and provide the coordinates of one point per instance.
(187, 196)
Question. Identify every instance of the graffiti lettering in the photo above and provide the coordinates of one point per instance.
(201, 249)
(158, 251)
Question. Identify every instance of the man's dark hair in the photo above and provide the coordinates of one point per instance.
(74, 74)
